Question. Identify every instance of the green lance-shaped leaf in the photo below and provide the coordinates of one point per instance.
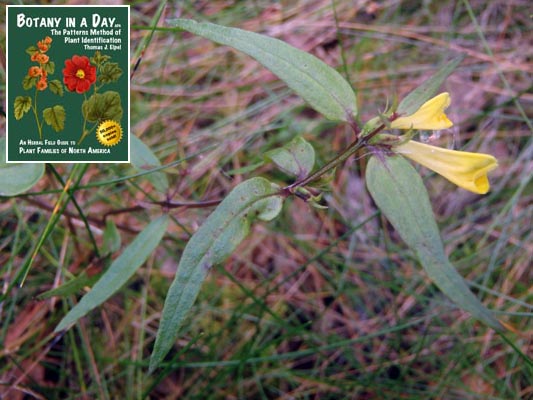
(318, 83)
(427, 90)
(296, 158)
(55, 117)
(401, 196)
(22, 106)
(217, 238)
(119, 272)
(142, 159)
(102, 106)
(17, 178)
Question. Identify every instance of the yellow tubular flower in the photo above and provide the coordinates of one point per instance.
(429, 116)
(466, 170)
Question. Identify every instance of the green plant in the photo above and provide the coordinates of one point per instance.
(393, 183)
(318, 303)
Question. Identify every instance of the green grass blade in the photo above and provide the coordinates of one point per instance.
(315, 81)
(217, 238)
(17, 178)
(427, 90)
(400, 194)
(119, 271)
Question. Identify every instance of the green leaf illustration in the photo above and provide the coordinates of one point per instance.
(119, 272)
(55, 117)
(296, 158)
(28, 82)
(217, 238)
(102, 106)
(56, 87)
(32, 50)
(17, 178)
(401, 196)
(109, 72)
(22, 106)
(49, 67)
(318, 83)
(99, 58)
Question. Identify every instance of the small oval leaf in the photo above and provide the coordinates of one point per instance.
(296, 158)
(318, 83)
(119, 272)
(217, 238)
(16, 178)
(400, 194)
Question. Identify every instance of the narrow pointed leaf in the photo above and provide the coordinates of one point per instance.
(16, 178)
(401, 196)
(215, 240)
(72, 287)
(318, 83)
(119, 272)
(427, 90)
(142, 158)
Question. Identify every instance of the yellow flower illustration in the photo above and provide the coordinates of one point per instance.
(430, 115)
(466, 170)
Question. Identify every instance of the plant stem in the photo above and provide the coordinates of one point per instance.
(83, 133)
(39, 127)
(339, 159)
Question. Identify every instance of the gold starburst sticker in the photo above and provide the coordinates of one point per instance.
(109, 133)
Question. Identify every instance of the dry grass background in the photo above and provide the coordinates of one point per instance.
(319, 304)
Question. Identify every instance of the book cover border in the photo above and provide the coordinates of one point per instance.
(125, 130)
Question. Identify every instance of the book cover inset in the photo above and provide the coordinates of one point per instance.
(67, 84)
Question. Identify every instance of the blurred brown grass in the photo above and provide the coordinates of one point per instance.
(318, 304)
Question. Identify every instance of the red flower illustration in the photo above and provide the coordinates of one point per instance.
(79, 74)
